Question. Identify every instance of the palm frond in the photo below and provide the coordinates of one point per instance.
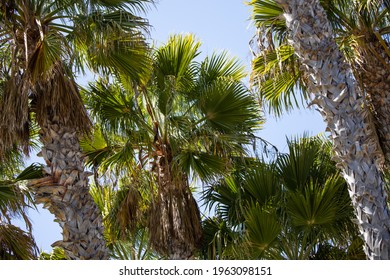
(263, 184)
(296, 166)
(220, 65)
(56, 254)
(227, 106)
(137, 248)
(263, 229)
(268, 14)
(15, 244)
(205, 165)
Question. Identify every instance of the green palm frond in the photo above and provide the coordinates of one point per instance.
(271, 59)
(263, 229)
(220, 65)
(228, 199)
(312, 206)
(227, 106)
(297, 167)
(174, 68)
(279, 93)
(218, 239)
(276, 75)
(267, 14)
(263, 184)
(114, 107)
(15, 197)
(56, 254)
(175, 58)
(137, 248)
(204, 164)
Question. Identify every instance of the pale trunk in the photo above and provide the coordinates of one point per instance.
(349, 120)
(65, 193)
(175, 226)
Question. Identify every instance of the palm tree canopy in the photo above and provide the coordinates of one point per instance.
(200, 109)
(44, 42)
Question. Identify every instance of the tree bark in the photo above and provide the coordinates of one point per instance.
(373, 70)
(341, 102)
(65, 193)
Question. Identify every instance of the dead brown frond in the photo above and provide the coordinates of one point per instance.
(14, 115)
(174, 224)
(57, 99)
(127, 216)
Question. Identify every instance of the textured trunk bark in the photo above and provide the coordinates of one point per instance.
(175, 223)
(65, 193)
(374, 75)
(349, 120)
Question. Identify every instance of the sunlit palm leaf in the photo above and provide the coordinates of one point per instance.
(227, 106)
(220, 65)
(267, 14)
(56, 254)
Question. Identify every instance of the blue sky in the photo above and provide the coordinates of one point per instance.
(219, 25)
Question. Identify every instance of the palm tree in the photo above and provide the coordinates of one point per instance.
(341, 100)
(183, 124)
(290, 208)
(42, 44)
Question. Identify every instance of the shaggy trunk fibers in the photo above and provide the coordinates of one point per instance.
(349, 120)
(374, 75)
(65, 193)
(175, 227)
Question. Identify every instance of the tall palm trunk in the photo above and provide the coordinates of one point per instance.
(64, 191)
(175, 227)
(348, 119)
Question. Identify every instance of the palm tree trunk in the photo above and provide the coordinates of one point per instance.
(175, 223)
(65, 192)
(373, 72)
(349, 120)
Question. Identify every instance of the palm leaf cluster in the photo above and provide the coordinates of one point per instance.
(296, 207)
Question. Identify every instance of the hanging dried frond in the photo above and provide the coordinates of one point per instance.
(57, 98)
(174, 225)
